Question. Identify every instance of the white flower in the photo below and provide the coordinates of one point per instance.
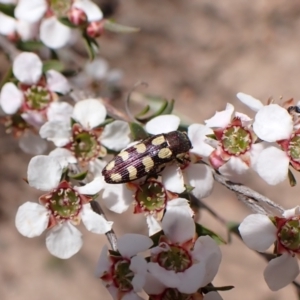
(260, 232)
(61, 208)
(176, 176)
(86, 138)
(199, 260)
(34, 93)
(125, 274)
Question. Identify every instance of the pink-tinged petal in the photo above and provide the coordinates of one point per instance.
(27, 67)
(32, 219)
(197, 134)
(162, 124)
(117, 197)
(59, 132)
(246, 120)
(130, 244)
(8, 24)
(212, 296)
(59, 111)
(207, 250)
(63, 241)
(289, 213)
(63, 156)
(221, 118)
(26, 30)
(153, 286)
(250, 101)
(34, 118)
(201, 178)
(234, 168)
(11, 98)
(56, 82)
(91, 188)
(54, 34)
(92, 10)
(168, 278)
(104, 263)
(273, 123)
(44, 172)
(94, 222)
(97, 69)
(89, 113)
(139, 266)
(172, 179)
(178, 224)
(31, 10)
(115, 135)
(153, 225)
(192, 279)
(32, 144)
(258, 232)
(281, 271)
(272, 165)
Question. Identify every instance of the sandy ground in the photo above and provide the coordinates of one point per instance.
(200, 53)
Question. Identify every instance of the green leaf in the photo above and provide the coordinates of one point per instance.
(201, 230)
(107, 121)
(143, 112)
(91, 46)
(137, 132)
(292, 178)
(114, 27)
(168, 110)
(157, 113)
(67, 22)
(53, 65)
(79, 176)
(233, 227)
(30, 46)
(211, 288)
(8, 9)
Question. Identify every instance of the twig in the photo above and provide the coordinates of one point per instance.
(9, 48)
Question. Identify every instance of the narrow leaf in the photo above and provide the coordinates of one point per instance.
(8, 9)
(201, 230)
(114, 27)
(53, 65)
(137, 131)
(292, 178)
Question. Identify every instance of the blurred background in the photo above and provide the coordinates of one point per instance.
(200, 53)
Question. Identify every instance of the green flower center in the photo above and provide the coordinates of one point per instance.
(175, 258)
(294, 148)
(236, 140)
(151, 196)
(64, 203)
(85, 144)
(171, 294)
(122, 275)
(289, 234)
(37, 97)
(60, 7)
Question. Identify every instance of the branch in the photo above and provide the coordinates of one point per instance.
(8, 47)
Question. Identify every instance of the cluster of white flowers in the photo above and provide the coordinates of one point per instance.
(175, 260)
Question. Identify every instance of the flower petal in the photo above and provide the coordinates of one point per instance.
(153, 286)
(11, 98)
(54, 34)
(250, 101)
(197, 134)
(289, 213)
(91, 188)
(63, 156)
(44, 172)
(115, 135)
(31, 10)
(153, 225)
(56, 82)
(27, 67)
(234, 168)
(92, 10)
(89, 113)
(191, 280)
(281, 271)
(273, 123)
(8, 24)
(104, 263)
(93, 222)
(63, 241)
(162, 124)
(131, 243)
(32, 219)
(97, 69)
(139, 267)
(59, 132)
(201, 178)
(221, 118)
(32, 144)
(27, 31)
(178, 224)
(59, 111)
(272, 165)
(172, 179)
(258, 232)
